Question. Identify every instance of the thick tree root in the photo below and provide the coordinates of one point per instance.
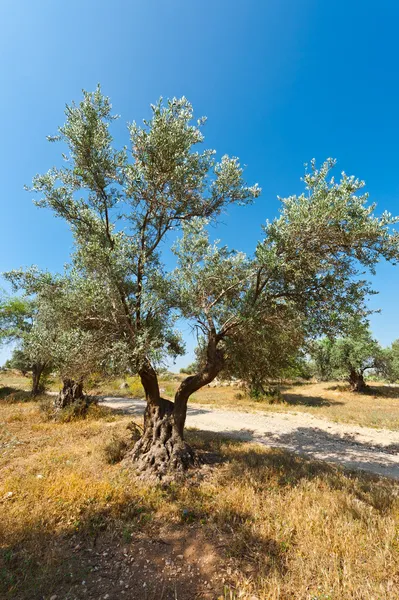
(161, 450)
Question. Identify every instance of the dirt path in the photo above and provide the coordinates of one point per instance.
(375, 450)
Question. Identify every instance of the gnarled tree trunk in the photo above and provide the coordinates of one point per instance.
(357, 382)
(162, 449)
(37, 371)
(71, 392)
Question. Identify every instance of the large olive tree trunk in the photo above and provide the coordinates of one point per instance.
(357, 382)
(71, 392)
(162, 448)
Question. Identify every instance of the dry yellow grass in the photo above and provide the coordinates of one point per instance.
(282, 527)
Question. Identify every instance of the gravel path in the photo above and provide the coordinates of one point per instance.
(375, 450)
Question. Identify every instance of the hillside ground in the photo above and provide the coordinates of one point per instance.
(250, 523)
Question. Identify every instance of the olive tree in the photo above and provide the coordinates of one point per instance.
(19, 361)
(389, 362)
(65, 332)
(354, 354)
(349, 356)
(321, 361)
(17, 318)
(123, 205)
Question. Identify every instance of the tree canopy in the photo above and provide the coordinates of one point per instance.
(350, 356)
(18, 315)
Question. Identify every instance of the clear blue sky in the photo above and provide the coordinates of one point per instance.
(281, 81)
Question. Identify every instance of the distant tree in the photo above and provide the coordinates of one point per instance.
(321, 359)
(62, 333)
(190, 369)
(299, 368)
(354, 354)
(301, 282)
(390, 362)
(17, 317)
(19, 361)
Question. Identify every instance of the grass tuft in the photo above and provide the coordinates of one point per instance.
(115, 450)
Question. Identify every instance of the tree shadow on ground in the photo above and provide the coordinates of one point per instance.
(11, 394)
(290, 469)
(360, 460)
(299, 400)
(385, 391)
(106, 558)
(129, 556)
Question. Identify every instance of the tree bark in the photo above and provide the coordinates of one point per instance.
(357, 382)
(162, 449)
(37, 371)
(72, 391)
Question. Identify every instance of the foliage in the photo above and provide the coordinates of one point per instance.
(190, 369)
(358, 352)
(390, 362)
(19, 317)
(119, 211)
(300, 368)
(19, 360)
(115, 450)
(16, 317)
(321, 359)
(353, 353)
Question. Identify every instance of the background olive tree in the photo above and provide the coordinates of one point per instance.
(17, 318)
(349, 357)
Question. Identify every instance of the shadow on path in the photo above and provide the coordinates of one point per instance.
(309, 440)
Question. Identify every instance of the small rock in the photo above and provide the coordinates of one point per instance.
(180, 556)
(40, 476)
(54, 597)
(124, 386)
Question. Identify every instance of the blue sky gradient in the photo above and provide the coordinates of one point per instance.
(280, 81)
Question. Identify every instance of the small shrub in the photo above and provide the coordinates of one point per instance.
(239, 396)
(82, 409)
(135, 387)
(170, 390)
(135, 431)
(75, 411)
(115, 450)
(93, 381)
(275, 397)
(270, 396)
(46, 408)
